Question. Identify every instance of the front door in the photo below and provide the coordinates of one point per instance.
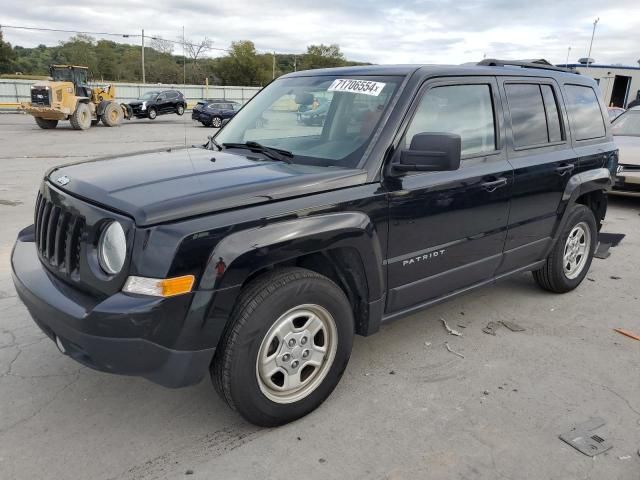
(447, 229)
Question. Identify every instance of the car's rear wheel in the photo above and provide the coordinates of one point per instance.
(152, 113)
(180, 110)
(216, 122)
(46, 124)
(569, 261)
(285, 348)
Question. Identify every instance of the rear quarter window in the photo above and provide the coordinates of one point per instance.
(585, 115)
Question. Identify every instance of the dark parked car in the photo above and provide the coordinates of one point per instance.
(152, 104)
(211, 113)
(258, 256)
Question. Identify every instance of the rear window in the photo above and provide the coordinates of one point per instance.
(584, 112)
(535, 119)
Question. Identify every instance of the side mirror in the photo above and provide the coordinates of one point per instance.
(431, 152)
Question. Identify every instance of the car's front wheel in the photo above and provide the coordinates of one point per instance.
(569, 261)
(180, 110)
(152, 113)
(285, 348)
(216, 122)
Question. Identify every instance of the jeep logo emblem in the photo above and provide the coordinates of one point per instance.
(63, 180)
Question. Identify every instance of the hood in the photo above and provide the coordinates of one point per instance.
(136, 102)
(629, 149)
(174, 184)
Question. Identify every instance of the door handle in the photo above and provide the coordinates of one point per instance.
(493, 185)
(562, 170)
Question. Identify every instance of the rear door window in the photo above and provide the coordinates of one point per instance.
(584, 112)
(466, 110)
(535, 118)
(528, 118)
(553, 116)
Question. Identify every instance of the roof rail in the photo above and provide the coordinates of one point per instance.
(540, 64)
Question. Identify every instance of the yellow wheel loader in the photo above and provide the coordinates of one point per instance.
(67, 96)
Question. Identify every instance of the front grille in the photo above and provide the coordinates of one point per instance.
(40, 96)
(58, 234)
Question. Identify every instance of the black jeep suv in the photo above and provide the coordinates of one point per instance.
(258, 256)
(152, 104)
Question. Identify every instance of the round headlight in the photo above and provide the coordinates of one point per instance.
(112, 248)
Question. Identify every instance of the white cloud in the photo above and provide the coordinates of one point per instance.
(416, 31)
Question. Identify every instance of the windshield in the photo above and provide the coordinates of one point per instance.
(149, 96)
(322, 120)
(627, 124)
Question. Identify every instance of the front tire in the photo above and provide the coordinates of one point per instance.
(569, 261)
(81, 118)
(152, 113)
(285, 348)
(180, 110)
(45, 123)
(216, 122)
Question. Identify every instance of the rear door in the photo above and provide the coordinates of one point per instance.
(447, 229)
(539, 149)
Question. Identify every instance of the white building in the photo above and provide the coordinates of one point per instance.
(620, 85)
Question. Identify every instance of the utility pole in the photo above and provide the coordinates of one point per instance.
(273, 74)
(566, 65)
(184, 60)
(295, 63)
(143, 77)
(593, 34)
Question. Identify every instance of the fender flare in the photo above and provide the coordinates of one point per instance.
(101, 107)
(585, 182)
(237, 256)
(578, 185)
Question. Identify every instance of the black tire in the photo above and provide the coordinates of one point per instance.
(216, 122)
(45, 123)
(81, 118)
(180, 109)
(234, 370)
(206, 124)
(553, 276)
(112, 115)
(152, 113)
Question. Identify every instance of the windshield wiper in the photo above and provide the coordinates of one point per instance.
(271, 152)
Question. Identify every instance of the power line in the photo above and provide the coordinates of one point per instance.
(131, 35)
(110, 34)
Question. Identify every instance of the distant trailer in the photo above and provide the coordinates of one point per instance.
(620, 84)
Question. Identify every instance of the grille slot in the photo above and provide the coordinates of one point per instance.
(58, 234)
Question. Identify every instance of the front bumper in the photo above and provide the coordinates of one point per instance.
(97, 332)
(627, 183)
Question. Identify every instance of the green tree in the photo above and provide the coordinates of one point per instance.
(6, 55)
(322, 56)
(241, 66)
(78, 50)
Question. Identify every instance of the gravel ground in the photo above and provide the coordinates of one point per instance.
(406, 407)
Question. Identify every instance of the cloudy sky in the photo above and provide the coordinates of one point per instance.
(382, 31)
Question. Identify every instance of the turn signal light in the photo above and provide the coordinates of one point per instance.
(159, 287)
